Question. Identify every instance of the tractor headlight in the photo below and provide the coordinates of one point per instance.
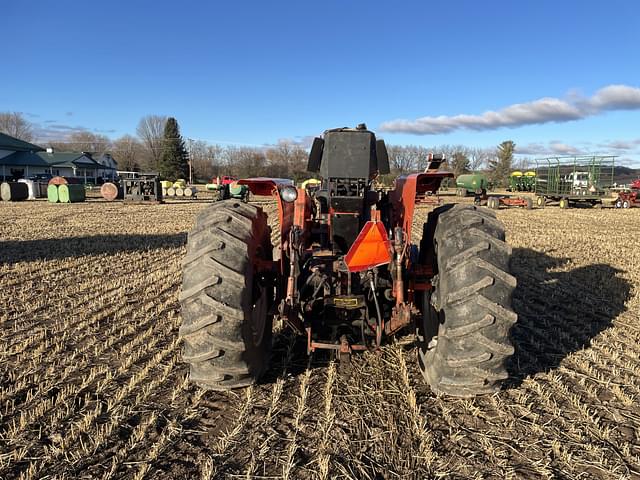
(289, 193)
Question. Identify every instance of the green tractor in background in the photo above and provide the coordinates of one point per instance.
(228, 187)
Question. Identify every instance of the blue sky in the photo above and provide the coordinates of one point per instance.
(257, 72)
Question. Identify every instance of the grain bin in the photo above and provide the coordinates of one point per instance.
(110, 191)
(14, 191)
(52, 193)
(71, 193)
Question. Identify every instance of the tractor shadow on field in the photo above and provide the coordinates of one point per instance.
(14, 251)
(559, 311)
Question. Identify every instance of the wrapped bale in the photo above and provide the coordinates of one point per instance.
(32, 187)
(52, 193)
(189, 192)
(14, 191)
(71, 193)
(179, 191)
(166, 184)
(171, 192)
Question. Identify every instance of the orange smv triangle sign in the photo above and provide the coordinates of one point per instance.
(371, 248)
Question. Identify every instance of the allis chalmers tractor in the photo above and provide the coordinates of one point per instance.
(348, 274)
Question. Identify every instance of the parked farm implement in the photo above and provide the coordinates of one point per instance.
(496, 201)
(629, 198)
(573, 181)
(143, 187)
(522, 182)
(228, 187)
(348, 275)
(472, 184)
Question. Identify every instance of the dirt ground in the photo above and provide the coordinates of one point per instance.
(92, 385)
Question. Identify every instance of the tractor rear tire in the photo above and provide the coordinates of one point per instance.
(226, 326)
(464, 336)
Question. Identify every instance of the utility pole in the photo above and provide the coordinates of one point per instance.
(190, 160)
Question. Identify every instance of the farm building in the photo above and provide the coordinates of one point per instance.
(9, 146)
(20, 159)
(108, 165)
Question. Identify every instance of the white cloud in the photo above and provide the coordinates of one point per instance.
(543, 110)
(551, 148)
(621, 145)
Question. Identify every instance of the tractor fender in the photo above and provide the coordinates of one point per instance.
(407, 188)
(293, 213)
(265, 186)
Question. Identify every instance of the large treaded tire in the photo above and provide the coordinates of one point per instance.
(464, 336)
(226, 327)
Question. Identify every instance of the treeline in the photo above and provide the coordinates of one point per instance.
(159, 146)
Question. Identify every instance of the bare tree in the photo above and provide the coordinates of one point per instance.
(478, 157)
(84, 141)
(523, 163)
(127, 150)
(14, 124)
(408, 158)
(288, 160)
(206, 160)
(245, 162)
(151, 131)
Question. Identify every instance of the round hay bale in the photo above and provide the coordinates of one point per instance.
(109, 191)
(52, 194)
(58, 181)
(71, 193)
(14, 191)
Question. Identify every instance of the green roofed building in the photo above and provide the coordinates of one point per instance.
(20, 159)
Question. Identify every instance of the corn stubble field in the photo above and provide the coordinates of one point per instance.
(92, 385)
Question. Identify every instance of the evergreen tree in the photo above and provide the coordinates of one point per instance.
(174, 162)
(500, 167)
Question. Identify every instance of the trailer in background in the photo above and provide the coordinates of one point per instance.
(572, 181)
(496, 201)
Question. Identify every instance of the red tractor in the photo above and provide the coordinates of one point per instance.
(630, 198)
(347, 274)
